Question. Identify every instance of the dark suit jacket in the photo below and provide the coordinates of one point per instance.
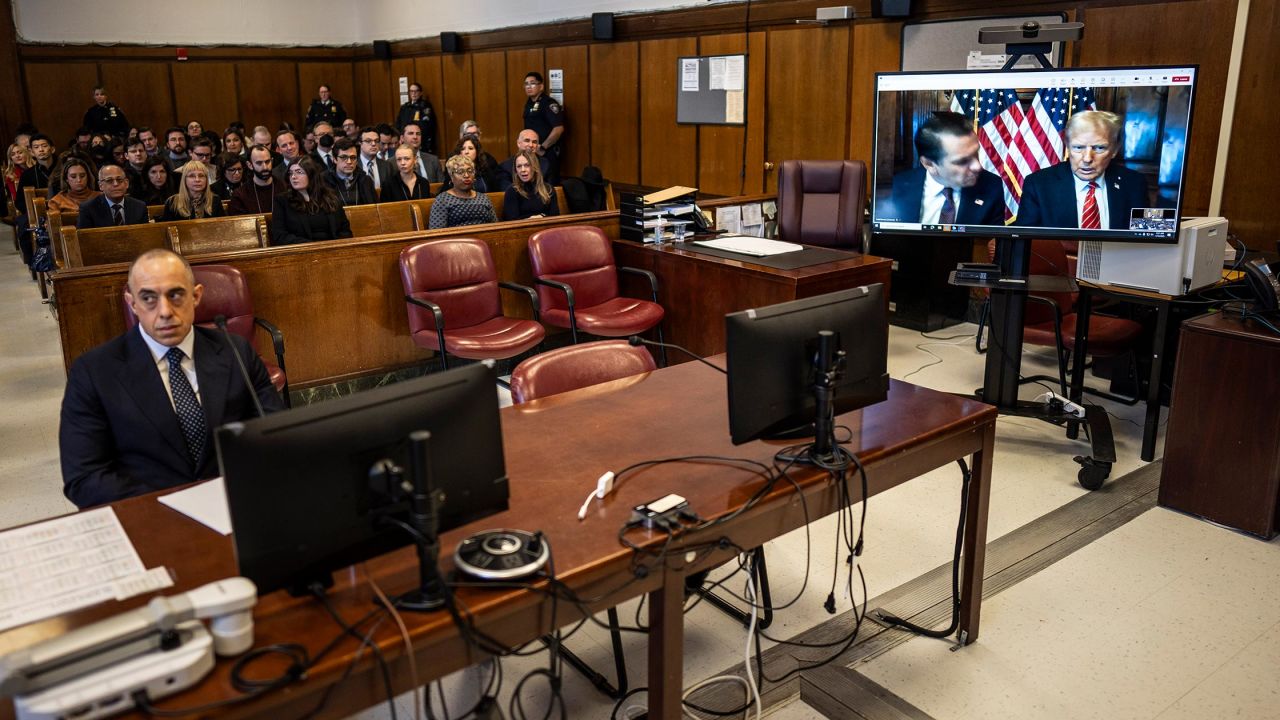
(97, 213)
(361, 192)
(394, 189)
(386, 170)
(119, 435)
(982, 204)
(507, 172)
(1049, 197)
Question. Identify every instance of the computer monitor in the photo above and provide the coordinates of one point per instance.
(1012, 153)
(771, 352)
(299, 488)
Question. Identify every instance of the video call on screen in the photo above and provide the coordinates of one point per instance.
(1008, 157)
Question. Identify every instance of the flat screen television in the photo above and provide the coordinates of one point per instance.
(302, 498)
(1076, 153)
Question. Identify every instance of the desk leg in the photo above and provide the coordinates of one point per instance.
(1152, 425)
(1083, 310)
(666, 647)
(975, 538)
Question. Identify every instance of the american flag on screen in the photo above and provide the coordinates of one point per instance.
(1046, 124)
(997, 117)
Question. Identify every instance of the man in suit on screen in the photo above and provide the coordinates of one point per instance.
(139, 410)
(949, 187)
(1089, 191)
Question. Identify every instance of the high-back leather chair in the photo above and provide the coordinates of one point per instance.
(820, 202)
(226, 293)
(577, 282)
(451, 289)
(577, 366)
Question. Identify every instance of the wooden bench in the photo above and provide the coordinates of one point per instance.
(102, 246)
(240, 232)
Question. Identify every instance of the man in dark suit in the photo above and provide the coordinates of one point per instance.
(377, 169)
(346, 177)
(1068, 195)
(526, 140)
(139, 410)
(950, 187)
(113, 206)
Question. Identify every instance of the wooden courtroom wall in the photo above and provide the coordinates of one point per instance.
(809, 94)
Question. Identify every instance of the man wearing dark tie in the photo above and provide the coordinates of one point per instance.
(949, 187)
(1090, 191)
(113, 206)
(139, 411)
(375, 167)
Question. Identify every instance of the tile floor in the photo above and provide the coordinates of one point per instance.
(1165, 617)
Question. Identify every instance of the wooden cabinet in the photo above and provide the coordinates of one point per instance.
(1222, 448)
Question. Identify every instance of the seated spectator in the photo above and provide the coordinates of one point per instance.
(176, 146)
(78, 187)
(202, 150)
(322, 153)
(309, 210)
(486, 172)
(83, 139)
(75, 153)
(17, 160)
(407, 184)
(376, 168)
(428, 164)
(193, 200)
(461, 204)
(230, 175)
(160, 184)
(527, 140)
(290, 148)
(258, 194)
(530, 195)
(150, 140)
(233, 142)
(388, 141)
(135, 156)
(347, 179)
(350, 129)
(194, 130)
(113, 206)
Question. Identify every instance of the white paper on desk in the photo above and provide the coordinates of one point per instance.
(689, 75)
(757, 246)
(69, 563)
(729, 219)
(205, 503)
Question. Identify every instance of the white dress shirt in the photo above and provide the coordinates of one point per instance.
(932, 200)
(188, 364)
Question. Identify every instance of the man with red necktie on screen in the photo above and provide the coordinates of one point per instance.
(1089, 191)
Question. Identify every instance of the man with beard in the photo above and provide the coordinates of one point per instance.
(256, 197)
(176, 147)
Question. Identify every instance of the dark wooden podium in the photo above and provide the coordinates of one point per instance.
(1222, 448)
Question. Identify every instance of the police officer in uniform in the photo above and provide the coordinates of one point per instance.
(545, 116)
(105, 117)
(418, 110)
(325, 108)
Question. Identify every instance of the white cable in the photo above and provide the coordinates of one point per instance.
(751, 632)
(604, 486)
(712, 681)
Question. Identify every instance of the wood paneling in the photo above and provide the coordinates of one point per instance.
(723, 150)
(576, 139)
(269, 94)
(876, 48)
(615, 110)
(429, 72)
(459, 99)
(520, 62)
(807, 96)
(337, 75)
(59, 94)
(380, 85)
(668, 152)
(142, 91)
(207, 92)
(390, 80)
(1248, 199)
(1198, 31)
(12, 112)
(490, 87)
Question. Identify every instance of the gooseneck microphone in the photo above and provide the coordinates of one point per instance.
(637, 340)
(221, 322)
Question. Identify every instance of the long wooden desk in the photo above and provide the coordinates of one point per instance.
(555, 448)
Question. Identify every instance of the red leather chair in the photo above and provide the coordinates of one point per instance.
(577, 366)
(1050, 318)
(226, 293)
(820, 202)
(451, 289)
(577, 282)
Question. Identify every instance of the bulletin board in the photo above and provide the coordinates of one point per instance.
(711, 90)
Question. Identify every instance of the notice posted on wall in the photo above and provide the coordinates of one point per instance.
(689, 75)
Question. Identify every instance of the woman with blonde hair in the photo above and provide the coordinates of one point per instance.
(78, 186)
(194, 198)
(16, 159)
(529, 195)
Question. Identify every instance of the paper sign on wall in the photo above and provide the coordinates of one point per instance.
(404, 85)
(556, 76)
(689, 74)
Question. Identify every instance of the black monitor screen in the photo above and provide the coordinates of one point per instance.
(298, 482)
(770, 360)
(1082, 153)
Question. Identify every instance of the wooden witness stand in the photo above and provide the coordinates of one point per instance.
(683, 411)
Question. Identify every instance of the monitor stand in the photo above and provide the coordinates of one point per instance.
(828, 367)
(423, 525)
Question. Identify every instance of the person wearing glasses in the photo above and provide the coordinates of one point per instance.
(461, 204)
(309, 210)
(378, 170)
(545, 116)
(231, 168)
(114, 206)
(194, 200)
(202, 150)
(347, 179)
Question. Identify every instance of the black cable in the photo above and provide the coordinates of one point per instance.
(320, 595)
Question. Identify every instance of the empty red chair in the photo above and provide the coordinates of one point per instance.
(577, 366)
(451, 289)
(578, 285)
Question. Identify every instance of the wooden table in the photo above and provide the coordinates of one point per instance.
(555, 449)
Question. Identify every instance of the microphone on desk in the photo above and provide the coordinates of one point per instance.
(221, 322)
(637, 340)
